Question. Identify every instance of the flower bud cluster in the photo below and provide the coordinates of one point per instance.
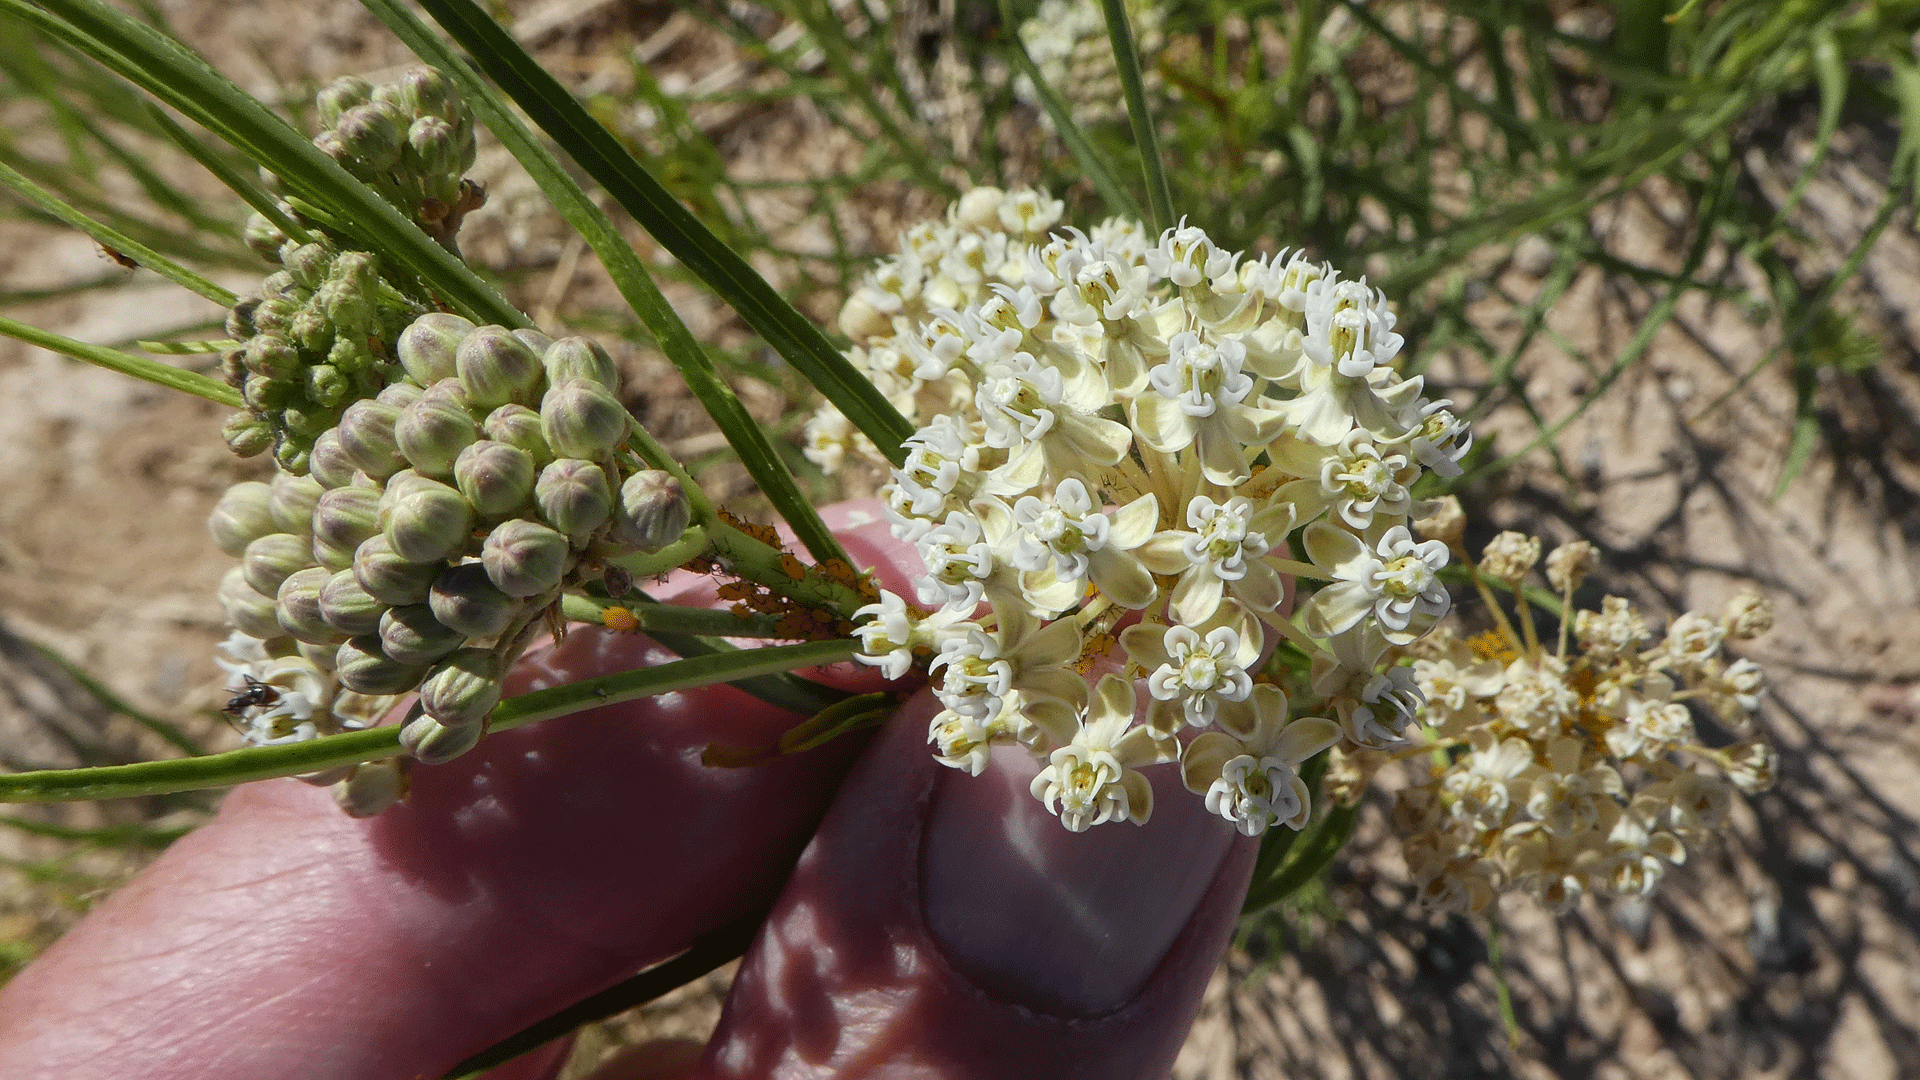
(1580, 770)
(1118, 435)
(440, 520)
(1068, 42)
(411, 140)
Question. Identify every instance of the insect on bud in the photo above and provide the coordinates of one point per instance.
(269, 560)
(495, 478)
(423, 519)
(363, 668)
(580, 358)
(433, 743)
(349, 608)
(497, 367)
(366, 438)
(581, 419)
(298, 607)
(463, 599)
(463, 689)
(243, 514)
(574, 497)
(427, 346)
(412, 635)
(525, 559)
(517, 425)
(653, 511)
(389, 578)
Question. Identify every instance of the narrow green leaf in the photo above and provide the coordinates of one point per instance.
(671, 618)
(1093, 164)
(597, 151)
(186, 348)
(115, 241)
(353, 747)
(630, 275)
(236, 181)
(1126, 58)
(162, 67)
(139, 367)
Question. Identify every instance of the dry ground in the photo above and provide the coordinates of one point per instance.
(1792, 950)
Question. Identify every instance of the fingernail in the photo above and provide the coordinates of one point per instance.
(1071, 924)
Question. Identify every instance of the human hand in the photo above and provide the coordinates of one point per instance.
(935, 924)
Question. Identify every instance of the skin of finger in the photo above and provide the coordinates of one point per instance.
(845, 980)
(287, 939)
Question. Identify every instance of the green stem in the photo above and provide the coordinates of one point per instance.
(139, 367)
(668, 618)
(1126, 58)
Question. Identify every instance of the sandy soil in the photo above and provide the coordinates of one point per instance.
(1791, 950)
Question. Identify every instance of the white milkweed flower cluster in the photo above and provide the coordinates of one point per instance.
(1068, 42)
(1117, 435)
(1577, 770)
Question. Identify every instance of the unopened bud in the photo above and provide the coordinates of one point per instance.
(574, 497)
(240, 318)
(433, 148)
(243, 514)
(270, 356)
(269, 560)
(412, 635)
(428, 345)
(534, 339)
(463, 689)
(1749, 615)
(320, 656)
(328, 385)
(426, 92)
(463, 599)
(297, 606)
(653, 511)
(348, 607)
(433, 743)
(329, 464)
(497, 367)
(343, 519)
(389, 578)
(581, 419)
(308, 263)
(1569, 564)
(399, 394)
(362, 667)
(263, 237)
(373, 134)
(247, 434)
(524, 558)
(292, 456)
(248, 611)
(340, 95)
(366, 438)
(517, 425)
(312, 330)
(495, 478)
(580, 358)
(292, 502)
(372, 788)
(423, 519)
(433, 430)
(1509, 556)
(275, 315)
(264, 395)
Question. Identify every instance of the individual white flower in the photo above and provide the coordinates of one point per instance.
(1536, 698)
(1636, 854)
(1252, 779)
(1224, 552)
(978, 669)
(1186, 257)
(1397, 581)
(1748, 615)
(893, 633)
(1094, 778)
(1064, 541)
(830, 436)
(959, 561)
(1752, 765)
(1389, 704)
(288, 695)
(1199, 399)
(1568, 565)
(1197, 675)
(1692, 640)
(1030, 213)
(1031, 409)
(1485, 784)
(1349, 327)
(1509, 556)
(1438, 439)
(1454, 683)
(1567, 799)
(1615, 630)
(1653, 723)
(1360, 481)
(1736, 691)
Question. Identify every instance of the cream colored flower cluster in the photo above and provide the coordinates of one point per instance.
(1117, 436)
(1579, 770)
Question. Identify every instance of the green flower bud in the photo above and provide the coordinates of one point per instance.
(275, 315)
(373, 134)
(366, 438)
(463, 599)
(328, 385)
(399, 394)
(581, 419)
(298, 607)
(433, 147)
(389, 578)
(263, 237)
(424, 520)
(247, 611)
(308, 263)
(266, 396)
(427, 346)
(342, 94)
(433, 743)
(247, 434)
(269, 560)
(233, 368)
(291, 456)
(412, 635)
(433, 430)
(463, 689)
(350, 353)
(331, 144)
(495, 478)
(343, 519)
(363, 668)
(525, 559)
(347, 607)
(243, 514)
(352, 292)
(240, 318)
(372, 788)
(653, 511)
(280, 285)
(271, 356)
(292, 502)
(533, 339)
(426, 92)
(497, 367)
(574, 497)
(330, 464)
(312, 330)
(580, 358)
(517, 425)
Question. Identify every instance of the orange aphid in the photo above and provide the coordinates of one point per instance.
(619, 619)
